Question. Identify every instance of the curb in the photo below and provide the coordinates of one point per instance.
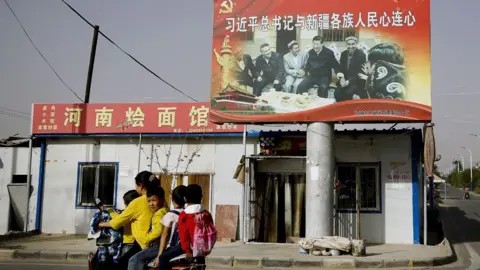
(326, 262)
(43, 255)
(258, 262)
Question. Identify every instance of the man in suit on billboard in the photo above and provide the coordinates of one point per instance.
(351, 63)
(269, 69)
(319, 67)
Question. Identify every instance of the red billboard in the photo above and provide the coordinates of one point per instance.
(321, 60)
(126, 118)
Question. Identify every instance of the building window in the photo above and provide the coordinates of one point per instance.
(96, 180)
(357, 180)
(19, 178)
(337, 35)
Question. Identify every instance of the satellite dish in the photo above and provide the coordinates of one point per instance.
(438, 157)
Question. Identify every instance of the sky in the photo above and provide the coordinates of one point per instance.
(173, 38)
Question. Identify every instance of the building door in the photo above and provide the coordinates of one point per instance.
(203, 180)
(168, 183)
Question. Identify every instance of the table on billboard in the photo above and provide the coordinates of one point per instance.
(321, 60)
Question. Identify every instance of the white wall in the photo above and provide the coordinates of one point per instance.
(14, 160)
(218, 156)
(394, 225)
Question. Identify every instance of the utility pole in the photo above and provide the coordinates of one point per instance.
(471, 167)
(93, 51)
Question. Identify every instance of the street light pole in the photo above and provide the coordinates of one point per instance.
(463, 161)
(471, 167)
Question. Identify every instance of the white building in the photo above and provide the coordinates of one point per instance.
(69, 170)
(14, 154)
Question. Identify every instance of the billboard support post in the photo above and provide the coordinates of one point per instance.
(319, 185)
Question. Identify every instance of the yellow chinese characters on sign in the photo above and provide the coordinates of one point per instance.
(103, 117)
(48, 118)
(135, 118)
(166, 116)
(73, 115)
(199, 116)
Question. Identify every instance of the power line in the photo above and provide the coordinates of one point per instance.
(19, 116)
(456, 94)
(14, 111)
(129, 55)
(45, 59)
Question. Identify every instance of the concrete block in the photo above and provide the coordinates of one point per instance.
(247, 262)
(53, 255)
(338, 263)
(443, 260)
(77, 255)
(397, 263)
(26, 254)
(277, 262)
(422, 262)
(308, 263)
(6, 254)
(219, 261)
(369, 263)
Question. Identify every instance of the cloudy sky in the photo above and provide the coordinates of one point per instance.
(173, 38)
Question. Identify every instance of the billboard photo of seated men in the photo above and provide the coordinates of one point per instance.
(321, 60)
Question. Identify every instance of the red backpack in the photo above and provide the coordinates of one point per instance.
(204, 235)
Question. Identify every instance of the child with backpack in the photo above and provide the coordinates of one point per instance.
(195, 228)
(170, 239)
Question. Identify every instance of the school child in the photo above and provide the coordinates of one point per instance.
(128, 239)
(170, 240)
(156, 202)
(108, 241)
(196, 231)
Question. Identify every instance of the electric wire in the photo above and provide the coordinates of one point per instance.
(14, 111)
(129, 55)
(40, 53)
(10, 114)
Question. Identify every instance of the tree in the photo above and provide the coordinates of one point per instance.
(457, 165)
(435, 170)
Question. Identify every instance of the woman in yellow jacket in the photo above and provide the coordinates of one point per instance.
(137, 214)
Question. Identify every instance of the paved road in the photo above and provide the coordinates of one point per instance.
(461, 220)
(42, 265)
(11, 265)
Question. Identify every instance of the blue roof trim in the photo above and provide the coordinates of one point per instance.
(352, 131)
(232, 134)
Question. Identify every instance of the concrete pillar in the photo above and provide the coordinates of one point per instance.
(320, 167)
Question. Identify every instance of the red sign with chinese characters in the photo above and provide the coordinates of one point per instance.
(126, 118)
